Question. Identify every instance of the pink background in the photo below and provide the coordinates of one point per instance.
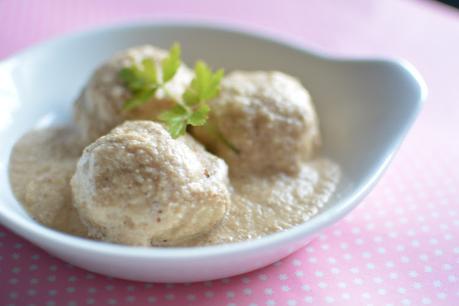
(399, 247)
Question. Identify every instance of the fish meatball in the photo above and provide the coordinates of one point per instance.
(261, 121)
(99, 107)
(138, 186)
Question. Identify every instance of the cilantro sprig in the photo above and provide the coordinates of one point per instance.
(191, 108)
(143, 81)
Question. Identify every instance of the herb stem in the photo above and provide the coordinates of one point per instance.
(177, 100)
(217, 133)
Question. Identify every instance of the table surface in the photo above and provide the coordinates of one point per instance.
(399, 247)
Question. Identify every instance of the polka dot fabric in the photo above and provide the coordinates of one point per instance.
(399, 247)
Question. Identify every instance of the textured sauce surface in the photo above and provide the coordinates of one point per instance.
(263, 205)
(43, 163)
(41, 166)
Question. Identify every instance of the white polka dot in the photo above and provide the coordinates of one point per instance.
(305, 287)
(92, 290)
(296, 263)
(209, 294)
(319, 273)
(405, 259)
(129, 288)
(312, 260)
(33, 267)
(291, 303)
(441, 295)
(262, 277)
(354, 270)
(426, 301)
(169, 296)
(283, 277)
(247, 291)
(331, 260)
(413, 273)
(358, 281)
(191, 297)
(335, 270)
(406, 302)
(308, 299)
(329, 299)
(417, 285)
(152, 299)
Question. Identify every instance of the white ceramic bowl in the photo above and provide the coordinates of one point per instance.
(365, 109)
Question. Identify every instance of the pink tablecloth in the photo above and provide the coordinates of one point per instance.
(399, 247)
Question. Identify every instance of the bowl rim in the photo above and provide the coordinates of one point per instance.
(28, 228)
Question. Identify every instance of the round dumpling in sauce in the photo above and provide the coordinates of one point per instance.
(100, 105)
(138, 186)
(268, 117)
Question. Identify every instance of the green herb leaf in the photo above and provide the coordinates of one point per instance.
(141, 80)
(191, 109)
(139, 99)
(176, 120)
(199, 116)
(149, 72)
(171, 63)
(205, 85)
(132, 78)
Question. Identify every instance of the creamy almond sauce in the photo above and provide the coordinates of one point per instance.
(184, 199)
(43, 163)
(41, 166)
(263, 205)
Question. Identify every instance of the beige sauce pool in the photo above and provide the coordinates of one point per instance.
(43, 163)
